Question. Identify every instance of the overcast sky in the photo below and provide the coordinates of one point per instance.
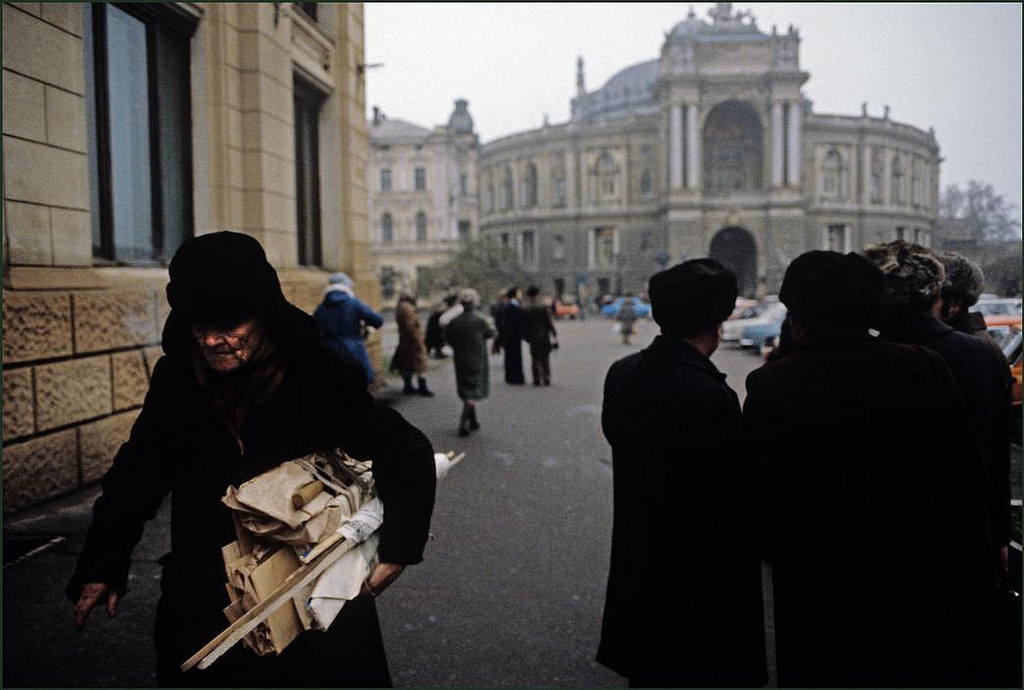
(954, 67)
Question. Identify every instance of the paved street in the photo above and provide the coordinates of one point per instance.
(512, 588)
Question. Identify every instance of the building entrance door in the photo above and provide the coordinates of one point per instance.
(735, 249)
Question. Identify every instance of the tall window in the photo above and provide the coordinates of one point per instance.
(463, 184)
(877, 166)
(561, 198)
(420, 178)
(833, 175)
(835, 239)
(603, 248)
(901, 232)
(558, 252)
(307, 171)
(421, 227)
(530, 186)
(897, 181)
(605, 173)
(385, 179)
(733, 148)
(506, 189)
(465, 231)
(387, 229)
(528, 251)
(139, 128)
(646, 187)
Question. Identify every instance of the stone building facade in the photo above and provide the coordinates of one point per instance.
(126, 129)
(709, 150)
(423, 195)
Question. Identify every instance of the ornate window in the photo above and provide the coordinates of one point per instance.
(732, 148)
(421, 227)
(530, 186)
(837, 238)
(385, 179)
(877, 167)
(528, 249)
(833, 175)
(605, 172)
(558, 182)
(420, 178)
(558, 252)
(387, 229)
(603, 247)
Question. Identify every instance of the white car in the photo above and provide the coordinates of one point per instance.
(761, 314)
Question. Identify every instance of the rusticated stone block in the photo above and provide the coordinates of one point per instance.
(99, 442)
(37, 325)
(131, 380)
(19, 413)
(40, 469)
(111, 319)
(72, 391)
(151, 355)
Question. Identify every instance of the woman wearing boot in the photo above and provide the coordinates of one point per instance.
(411, 354)
(467, 334)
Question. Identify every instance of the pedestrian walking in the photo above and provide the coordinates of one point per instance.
(243, 386)
(434, 337)
(683, 605)
(540, 333)
(342, 318)
(870, 490)
(410, 358)
(467, 334)
(626, 317)
(511, 333)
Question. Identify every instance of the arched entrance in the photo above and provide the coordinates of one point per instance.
(735, 248)
(732, 148)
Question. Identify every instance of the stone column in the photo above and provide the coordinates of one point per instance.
(692, 148)
(795, 122)
(777, 144)
(675, 148)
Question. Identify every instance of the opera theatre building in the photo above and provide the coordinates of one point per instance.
(709, 149)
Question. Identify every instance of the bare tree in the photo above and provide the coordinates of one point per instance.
(483, 265)
(985, 215)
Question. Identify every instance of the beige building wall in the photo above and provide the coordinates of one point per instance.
(81, 336)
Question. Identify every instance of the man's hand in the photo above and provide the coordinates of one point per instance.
(92, 594)
(381, 577)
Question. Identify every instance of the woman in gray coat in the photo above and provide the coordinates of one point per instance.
(467, 334)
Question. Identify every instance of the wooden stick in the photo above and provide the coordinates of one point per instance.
(234, 633)
(307, 493)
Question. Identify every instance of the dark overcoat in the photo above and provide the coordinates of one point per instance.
(870, 502)
(179, 446)
(982, 373)
(468, 333)
(683, 605)
(411, 353)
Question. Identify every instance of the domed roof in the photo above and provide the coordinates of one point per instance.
(635, 79)
(461, 122)
(629, 92)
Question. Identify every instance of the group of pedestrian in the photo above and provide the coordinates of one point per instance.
(868, 466)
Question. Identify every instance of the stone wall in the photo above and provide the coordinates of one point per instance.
(81, 337)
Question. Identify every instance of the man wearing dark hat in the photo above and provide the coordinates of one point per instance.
(683, 605)
(243, 386)
(867, 515)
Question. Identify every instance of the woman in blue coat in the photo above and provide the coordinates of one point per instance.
(341, 316)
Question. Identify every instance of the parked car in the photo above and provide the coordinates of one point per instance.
(744, 308)
(565, 310)
(1010, 339)
(765, 330)
(760, 314)
(640, 308)
(996, 306)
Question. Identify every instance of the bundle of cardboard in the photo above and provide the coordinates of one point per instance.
(281, 518)
(306, 540)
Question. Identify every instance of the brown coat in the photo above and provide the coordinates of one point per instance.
(411, 354)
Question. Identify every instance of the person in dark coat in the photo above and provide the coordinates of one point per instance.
(410, 358)
(914, 279)
(540, 333)
(341, 317)
(468, 333)
(870, 491)
(683, 605)
(512, 333)
(961, 290)
(243, 386)
(434, 337)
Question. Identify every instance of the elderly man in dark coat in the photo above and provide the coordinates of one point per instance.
(244, 386)
(871, 495)
(468, 333)
(683, 605)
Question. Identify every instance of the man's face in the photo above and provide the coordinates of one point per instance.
(227, 345)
